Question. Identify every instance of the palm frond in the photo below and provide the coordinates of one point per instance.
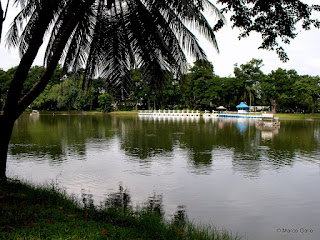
(13, 35)
(112, 37)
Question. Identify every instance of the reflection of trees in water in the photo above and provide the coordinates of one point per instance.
(201, 158)
(180, 215)
(53, 137)
(294, 138)
(251, 151)
(154, 204)
(121, 200)
(251, 163)
(146, 139)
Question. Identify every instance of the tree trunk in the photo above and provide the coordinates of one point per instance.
(11, 108)
(15, 106)
(274, 106)
(115, 106)
(6, 127)
(313, 108)
(1, 20)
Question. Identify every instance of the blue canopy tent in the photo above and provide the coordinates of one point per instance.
(242, 107)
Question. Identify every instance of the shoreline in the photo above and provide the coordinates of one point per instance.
(35, 212)
(282, 116)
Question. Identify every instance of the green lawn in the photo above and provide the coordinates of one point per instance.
(297, 116)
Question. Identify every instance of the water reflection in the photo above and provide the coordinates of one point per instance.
(56, 138)
(120, 199)
(34, 117)
(155, 204)
(268, 133)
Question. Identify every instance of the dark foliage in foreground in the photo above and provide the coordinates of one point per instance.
(47, 213)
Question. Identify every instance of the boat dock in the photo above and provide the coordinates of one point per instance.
(242, 112)
(206, 114)
(169, 113)
(269, 120)
(239, 115)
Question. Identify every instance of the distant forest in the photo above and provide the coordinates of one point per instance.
(199, 89)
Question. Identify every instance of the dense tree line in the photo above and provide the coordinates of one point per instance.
(282, 90)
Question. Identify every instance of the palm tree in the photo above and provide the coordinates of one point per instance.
(107, 37)
(3, 15)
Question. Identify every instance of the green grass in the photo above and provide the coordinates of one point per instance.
(75, 112)
(29, 212)
(297, 116)
(133, 112)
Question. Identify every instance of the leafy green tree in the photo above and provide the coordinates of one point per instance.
(231, 92)
(307, 91)
(43, 101)
(274, 20)
(278, 88)
(197, 82)
(250, 75)
(143, 93)
(138, 91)
(34, 75)
(68, 95)
(171, 95)
(105, 102)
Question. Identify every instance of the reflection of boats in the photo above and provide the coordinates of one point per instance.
(268, 132)
(34, 115)
(170, 118)
(34, 112)
(242, 124)
(268, 120)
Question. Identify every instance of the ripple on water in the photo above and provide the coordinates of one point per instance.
(83, 180)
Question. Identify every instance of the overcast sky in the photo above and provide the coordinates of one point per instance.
(303, 51)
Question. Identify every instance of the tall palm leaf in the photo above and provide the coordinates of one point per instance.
(110, 39)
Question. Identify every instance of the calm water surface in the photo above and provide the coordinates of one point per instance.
(261, 183)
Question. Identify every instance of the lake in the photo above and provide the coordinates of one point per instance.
(262, 183)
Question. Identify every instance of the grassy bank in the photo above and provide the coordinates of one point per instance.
(29, 212)
(282, 116)
(74, 112)
(297, 116)
(133, 112)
